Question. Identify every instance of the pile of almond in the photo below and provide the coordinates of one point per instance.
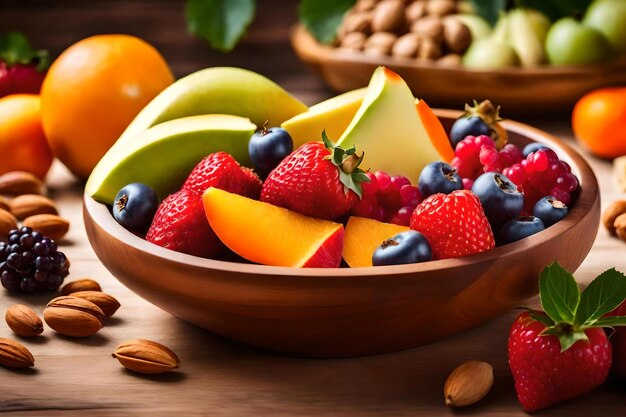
(22, 200)
(80, 311)
(425, 30)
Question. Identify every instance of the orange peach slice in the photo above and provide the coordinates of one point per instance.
(363, 236)
(270, 235)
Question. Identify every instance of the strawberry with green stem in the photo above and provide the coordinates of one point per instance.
(319, 179)
(563, 352)
(22, 68)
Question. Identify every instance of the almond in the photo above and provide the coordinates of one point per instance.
(468, 384)
(388, 16)
(8, 222)
(20, 182)
(51, 225)
(612, 212)
(85, 284)
(15, 355)
(23, 321)
(73, 316)
(27, 205)
(146, 357)
(4, 203)
(106, 302)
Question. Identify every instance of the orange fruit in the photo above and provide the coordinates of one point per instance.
(599, 122)
(93, 91)
(23, 145)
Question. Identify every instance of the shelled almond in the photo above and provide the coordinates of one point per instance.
(146, 357)
(418, 29)
(14, 354)
(84, 284)
(27, 205)
(7, 222)
(106, 302)
(73, 316)
(51, 225)
(20, 182)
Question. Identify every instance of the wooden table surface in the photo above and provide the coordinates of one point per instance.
(221, 377)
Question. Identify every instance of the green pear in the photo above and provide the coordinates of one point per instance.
(571, 43)
(609, 17)
(162, 156)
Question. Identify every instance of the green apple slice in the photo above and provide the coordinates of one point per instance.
(389, 130)
(163, 155)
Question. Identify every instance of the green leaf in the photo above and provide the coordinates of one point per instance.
(15, 49)
(323, 17)
(556, 9)
(611, 321)
(603, 295)
(541, 317)
(566, 337)
(221, 22)
(559, 293)
(489, 9)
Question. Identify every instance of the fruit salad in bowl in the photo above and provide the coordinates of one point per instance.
(357, 226)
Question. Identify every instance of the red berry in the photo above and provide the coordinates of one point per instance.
(450, 234)
(403, 216)
(539, 161)
(221, 170)
(399, 181)
(181, 225)
(467, 183)
(379, 214)
(371, 187)
(488, 156)
(543, 374)
(517, 174)
(384, 181)
(362, 208)
(561, 195)
(567, 182)
(408, 194)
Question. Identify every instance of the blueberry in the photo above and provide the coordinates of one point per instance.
(268, 147)
(466, 126)
(404, 248)
(499, 197)
(135, 206)
(439, 177)
(533, 147)
(519, 228)
(550, 210)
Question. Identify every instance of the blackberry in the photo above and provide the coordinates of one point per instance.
(30, 262)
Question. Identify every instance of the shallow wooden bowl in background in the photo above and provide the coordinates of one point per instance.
(520, 91)
(347, 312)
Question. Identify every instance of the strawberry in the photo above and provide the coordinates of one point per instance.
(562, 353)
(22, 69)
(180, 224)
(221, 170)
(618, 341)
(454, 224)
(318, 179)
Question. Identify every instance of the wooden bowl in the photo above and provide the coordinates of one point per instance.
(347, 312)
(541, 90)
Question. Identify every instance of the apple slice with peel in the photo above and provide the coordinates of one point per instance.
(163, 155)
(270, 235)
(395, 137)
(332, 115)
(363, 236)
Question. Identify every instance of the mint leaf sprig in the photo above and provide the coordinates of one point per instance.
(568, 312)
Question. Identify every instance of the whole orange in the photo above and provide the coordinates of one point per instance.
(23, 145)
(599, 122)
(93, 91)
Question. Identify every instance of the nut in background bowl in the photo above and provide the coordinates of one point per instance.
(349, 312)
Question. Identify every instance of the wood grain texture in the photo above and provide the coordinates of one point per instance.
(220, 377)
(535, 91)
(349, 312)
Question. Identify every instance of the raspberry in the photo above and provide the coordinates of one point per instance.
(387, 198)
(30, 262)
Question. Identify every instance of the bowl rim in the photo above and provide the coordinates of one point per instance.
(308, 47)
(587, 198)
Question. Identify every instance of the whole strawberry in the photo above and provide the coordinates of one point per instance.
(22, 69)
(563, 353)
(221, 170)
(617, 338)
(318, 179)
(180, 225)
(454, 224)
